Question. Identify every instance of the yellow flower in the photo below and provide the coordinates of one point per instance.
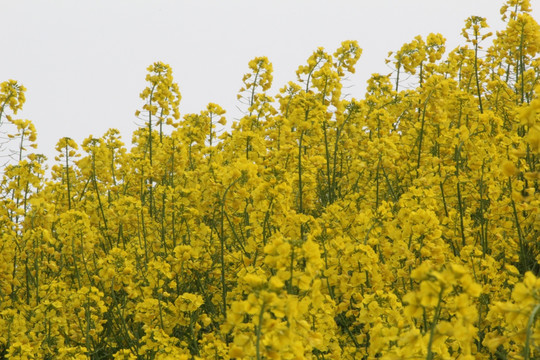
(509, 168)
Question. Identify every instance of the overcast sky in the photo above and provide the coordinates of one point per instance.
(84, 62)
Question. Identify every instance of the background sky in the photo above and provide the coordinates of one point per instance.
(84, 62)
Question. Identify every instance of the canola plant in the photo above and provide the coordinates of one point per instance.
(404, 224)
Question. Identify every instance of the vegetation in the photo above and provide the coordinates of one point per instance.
(403, 225)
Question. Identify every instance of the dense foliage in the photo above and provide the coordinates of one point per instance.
(404, 225)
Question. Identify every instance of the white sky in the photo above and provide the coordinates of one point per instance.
(84, 62)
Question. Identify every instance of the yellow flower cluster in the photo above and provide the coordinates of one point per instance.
(403, 225)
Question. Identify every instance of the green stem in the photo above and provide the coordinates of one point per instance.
(222, 247)
(433, 326)
(67, 175)
(530, 323)
(300, 200)
(476, 75)
(258, 332)
(421, 137)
